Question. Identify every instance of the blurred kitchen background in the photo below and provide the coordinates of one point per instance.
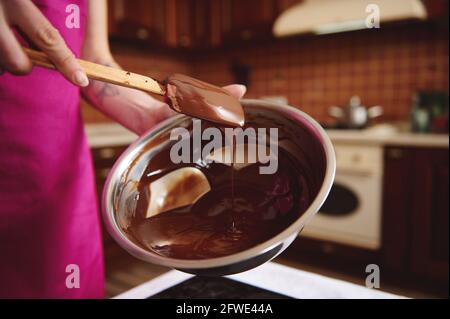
(382, 94)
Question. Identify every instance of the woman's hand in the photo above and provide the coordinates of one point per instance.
(135, 110)
(238, 90)
(28, 20)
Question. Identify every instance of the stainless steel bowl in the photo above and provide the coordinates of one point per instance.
(119, 195)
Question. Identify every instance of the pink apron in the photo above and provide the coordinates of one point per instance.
(49, 224)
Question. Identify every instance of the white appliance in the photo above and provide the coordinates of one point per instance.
(351, 214)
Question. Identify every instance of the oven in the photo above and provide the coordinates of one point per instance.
(351, 215)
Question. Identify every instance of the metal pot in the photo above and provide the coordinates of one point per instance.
(355, 115)
(118, 191)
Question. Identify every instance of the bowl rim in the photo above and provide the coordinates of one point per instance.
(121, 164)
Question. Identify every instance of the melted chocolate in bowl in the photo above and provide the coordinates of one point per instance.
(243, 208)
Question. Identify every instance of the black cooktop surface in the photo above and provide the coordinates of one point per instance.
(215, 288)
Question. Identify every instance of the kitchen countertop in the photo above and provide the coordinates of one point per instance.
(397, 138)
(274, 277)
(108, 134)
(111, 134)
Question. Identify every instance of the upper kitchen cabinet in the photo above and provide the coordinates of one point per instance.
(194, 30)
(161, 23)
(188, 23)
(250, 20)
(247, 20)
(194, 24)
(139, 19)
(233, 22)
(436, 9)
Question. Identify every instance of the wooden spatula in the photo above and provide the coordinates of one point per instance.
(183, 94)
(104, 73)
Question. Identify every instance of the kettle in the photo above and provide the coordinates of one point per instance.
(355, 115)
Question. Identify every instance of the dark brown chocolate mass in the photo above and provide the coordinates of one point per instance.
(203, 100)
(243, 208)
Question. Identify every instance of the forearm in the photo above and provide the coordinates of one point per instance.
(133, 109)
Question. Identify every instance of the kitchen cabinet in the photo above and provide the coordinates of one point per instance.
(234, 21)
(161, 23)
(143, 20)
(397, 193)
(429, 236)
(286, 4)
(104, 158)
(437, 10)
(193, 24)
(247, 20)
(415, 220)
(187, 23)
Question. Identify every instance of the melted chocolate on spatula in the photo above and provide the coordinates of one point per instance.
(203, 100)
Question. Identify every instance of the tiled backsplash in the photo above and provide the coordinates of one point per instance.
(384, 67)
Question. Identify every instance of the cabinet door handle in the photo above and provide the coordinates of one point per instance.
(142, 34)
(395, 153)
(246, 34)
(106, 153)
(184, 40)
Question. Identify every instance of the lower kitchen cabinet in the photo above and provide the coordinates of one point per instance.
(397, 205)
(104, 158)
(415, 219)
(429, 214)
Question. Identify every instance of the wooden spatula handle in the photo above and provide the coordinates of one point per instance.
(103, 73)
